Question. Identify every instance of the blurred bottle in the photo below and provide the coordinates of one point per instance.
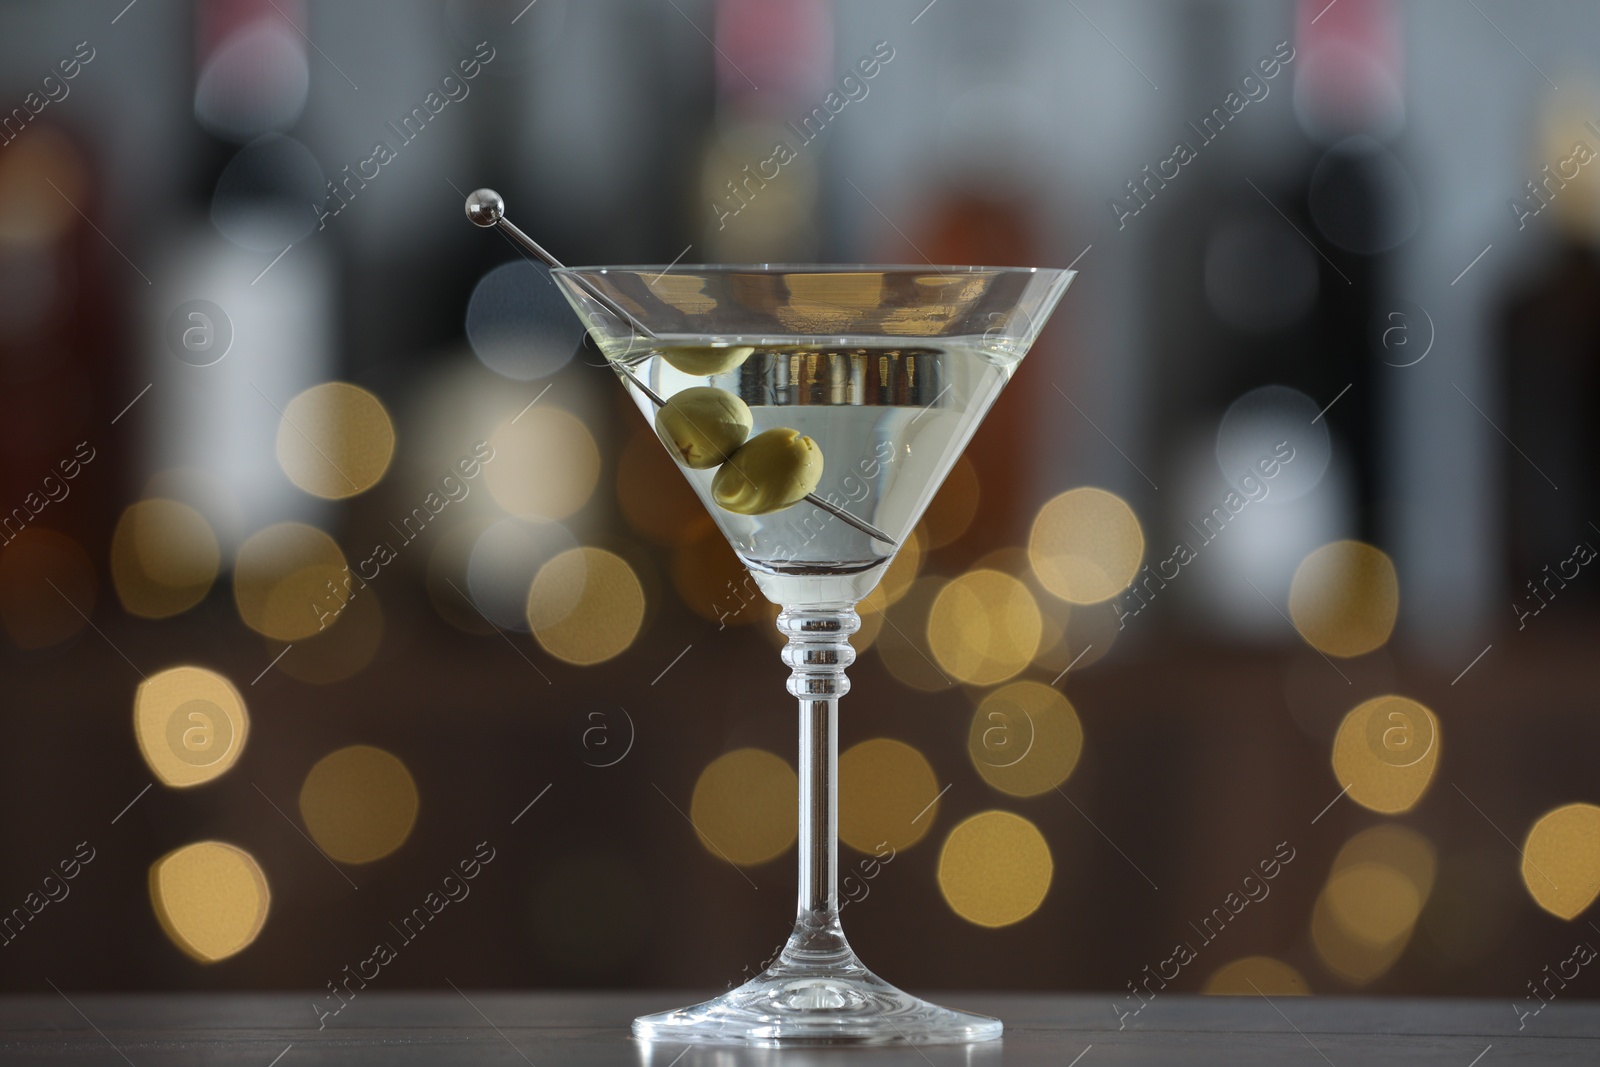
(242, 313)
(982, 203)
(985, 215)
(758, 174)
(48, 356)
(1362, 205)
(1550, 344)
(61, 384)
(1275, 261)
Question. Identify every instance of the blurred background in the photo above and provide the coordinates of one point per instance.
(1331, 727)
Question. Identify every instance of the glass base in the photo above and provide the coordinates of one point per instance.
(840, 1004)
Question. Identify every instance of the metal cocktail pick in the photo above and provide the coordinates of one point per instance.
(487, 208)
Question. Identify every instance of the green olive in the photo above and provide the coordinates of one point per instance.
(771, 471)
(703, 360)
(702, 426)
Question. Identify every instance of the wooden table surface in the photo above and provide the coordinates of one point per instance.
(545, 1029)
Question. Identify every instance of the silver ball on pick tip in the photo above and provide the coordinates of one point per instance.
(485, 207)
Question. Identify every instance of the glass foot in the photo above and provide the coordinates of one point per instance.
(844, 1004)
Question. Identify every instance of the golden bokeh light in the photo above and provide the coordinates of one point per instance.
(1053, 612)
(1354, 960)
(870, 611)
(545, 466)
(1075, 636)
(894, 584)
(1086, 545)
(1561, 860)
(902, 643)
(1560, 127)
(289, 581)
(206, 491)
(1256, 976)
(1386, 753)
(585, 606)
(191, 725)
(1025, 739)
(888, 795)
(1344, 598)
(339, 652)
(211, 898)
(1010, 559)
(655, 500)
(783, 216)
(1373, 902)
(1366, 913)
(164, 557)
(1394, 846)
(995, 869)
(953, 508)
(744, 804)
(902, 570)
(359, 804)
(47, 588)
(710, 579)
(984, 627)
(1071, 635)
(335, 440)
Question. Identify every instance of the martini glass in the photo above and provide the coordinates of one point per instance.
(888, 370)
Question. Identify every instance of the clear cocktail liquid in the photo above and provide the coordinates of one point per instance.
(890, 419)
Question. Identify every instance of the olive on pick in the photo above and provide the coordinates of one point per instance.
(771, 471)
(702, 426)
(705, 360)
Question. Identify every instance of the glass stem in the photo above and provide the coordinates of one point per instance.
(817, 654)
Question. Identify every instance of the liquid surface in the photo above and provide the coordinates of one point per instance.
(890, 420)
